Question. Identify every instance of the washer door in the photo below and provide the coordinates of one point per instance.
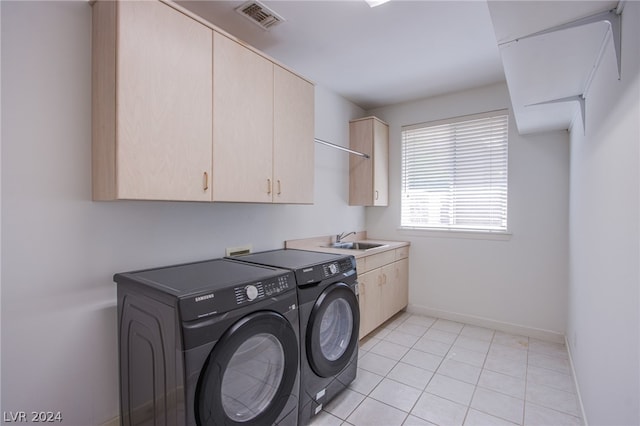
(250, 372)
(332, 331)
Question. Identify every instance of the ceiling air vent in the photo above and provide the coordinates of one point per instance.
(259, 14)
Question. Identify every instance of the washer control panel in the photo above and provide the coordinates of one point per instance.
(278, 286)
(262, 289)
(217, 301)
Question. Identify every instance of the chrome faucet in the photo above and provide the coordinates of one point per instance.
(342, 235)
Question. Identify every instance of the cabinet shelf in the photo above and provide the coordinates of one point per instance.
(550, 63)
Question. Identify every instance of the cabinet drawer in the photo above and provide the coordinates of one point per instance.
(378, 260)
(361, 265)
(402, 252)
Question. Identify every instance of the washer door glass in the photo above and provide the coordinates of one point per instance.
(250, 374)
(252, 377)
(336, 327)
(332, 331)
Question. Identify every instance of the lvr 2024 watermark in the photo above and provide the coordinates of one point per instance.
(32, 416)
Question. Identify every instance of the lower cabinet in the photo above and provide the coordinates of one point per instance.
(395, 287)
(384, 290)
(371, 306)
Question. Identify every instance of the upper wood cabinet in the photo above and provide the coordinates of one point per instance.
(242, 123)
(183, 111)
(293, 133)
(263, 128)
(152, 110)
(369, 178)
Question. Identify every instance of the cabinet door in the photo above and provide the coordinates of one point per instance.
(164, 118)
(243, 123)
(394, 287)
(400, 285)
(380, 163)
(293, 149)
(387, 290)
(361, 169)
(369, 286)
(368, 177)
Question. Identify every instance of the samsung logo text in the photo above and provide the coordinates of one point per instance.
(205, 297)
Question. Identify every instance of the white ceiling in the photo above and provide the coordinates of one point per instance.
(399, 51)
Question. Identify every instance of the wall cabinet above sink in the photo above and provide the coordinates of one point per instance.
(369, 177)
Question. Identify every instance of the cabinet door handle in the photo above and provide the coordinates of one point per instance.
(268, 186)
(279, 187)
(376, 194)
(205, 181)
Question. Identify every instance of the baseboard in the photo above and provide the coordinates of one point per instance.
(537, 333)
(575, 384)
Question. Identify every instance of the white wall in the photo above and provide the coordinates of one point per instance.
(604, 296)
(60, 249)
(518, 285)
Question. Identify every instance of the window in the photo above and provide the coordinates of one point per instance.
(454, 174)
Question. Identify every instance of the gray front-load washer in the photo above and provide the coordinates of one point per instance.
(208, 343)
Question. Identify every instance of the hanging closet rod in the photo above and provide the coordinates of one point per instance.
(333, 145)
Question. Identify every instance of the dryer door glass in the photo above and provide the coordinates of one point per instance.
(250, 374)
(336, 327)
(332, 331)
(252, 377)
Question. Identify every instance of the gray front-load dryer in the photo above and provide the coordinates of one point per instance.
(329, 322)
(208, 343)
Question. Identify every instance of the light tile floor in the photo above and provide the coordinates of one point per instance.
(418, 370)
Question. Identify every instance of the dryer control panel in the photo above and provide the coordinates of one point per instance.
(317, 273)
(340, 266)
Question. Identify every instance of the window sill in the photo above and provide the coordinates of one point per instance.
(471, 235)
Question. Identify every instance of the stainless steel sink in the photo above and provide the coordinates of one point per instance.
(356, 245)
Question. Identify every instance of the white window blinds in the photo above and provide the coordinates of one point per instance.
(454, 174)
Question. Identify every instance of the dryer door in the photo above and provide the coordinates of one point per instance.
(250, 372)
(332, 331)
